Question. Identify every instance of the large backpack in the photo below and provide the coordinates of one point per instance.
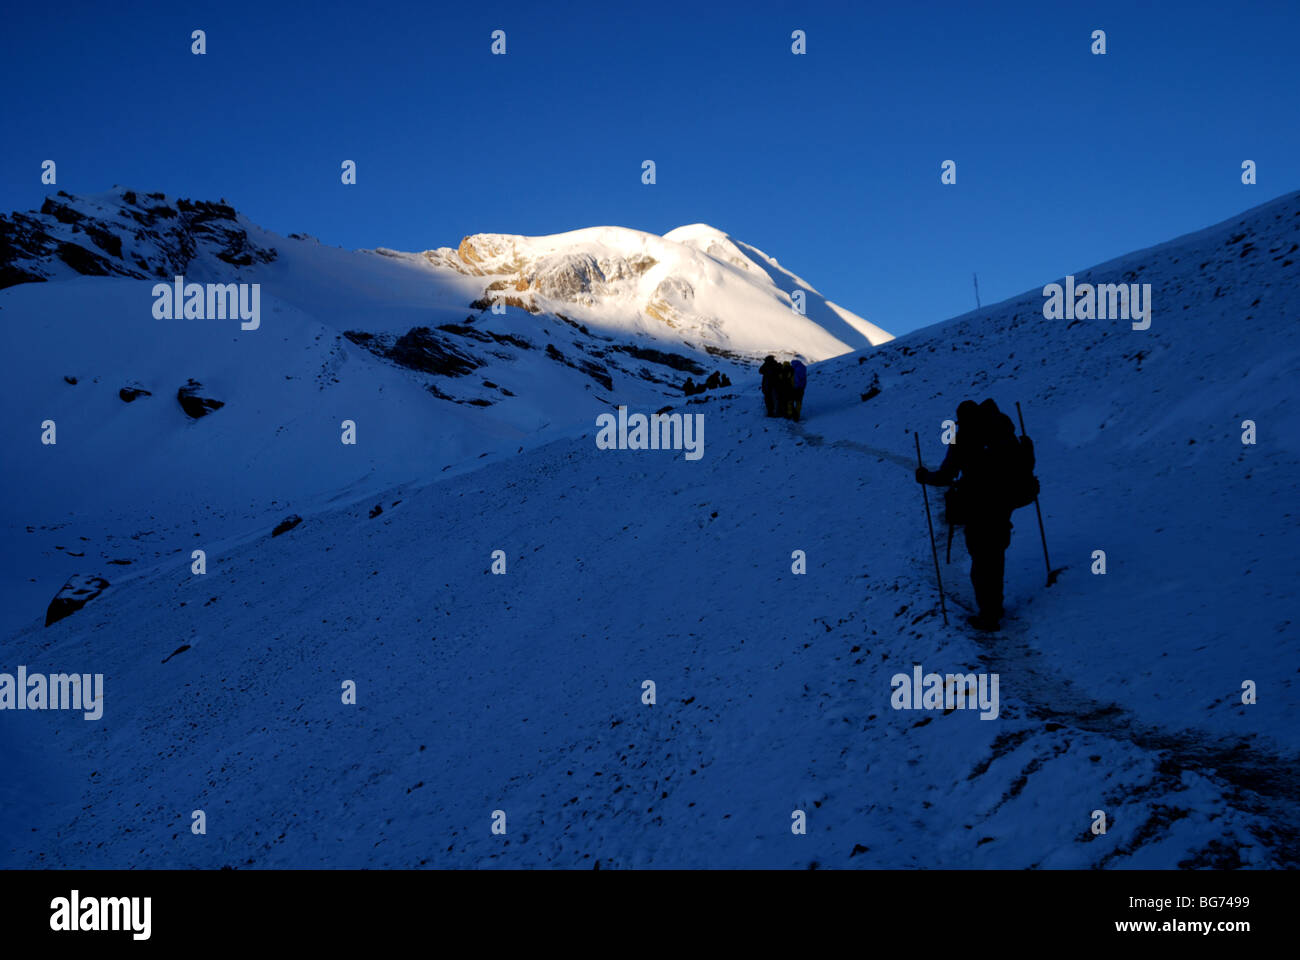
(800, 374)
(1023, 487)
(1013, 459)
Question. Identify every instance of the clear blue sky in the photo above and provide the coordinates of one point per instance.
(830, 162)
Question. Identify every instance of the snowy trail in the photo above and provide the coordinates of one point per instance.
(817, 440)
(772, 590)
(1256, 779)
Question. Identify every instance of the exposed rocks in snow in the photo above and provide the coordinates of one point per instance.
(83, 261)
(75, 594)
(61, 211)
(131, 392)
(22, 240)
(287, 524)
(486, 336)
(661, 357)
(485, 303)
(670, 301)
(732, 355)
(135, 239)
(418, 349)
(193, 404)
(873, 388)
(596, 371)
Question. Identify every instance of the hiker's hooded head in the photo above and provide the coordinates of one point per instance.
(997, 426)
(969, 423)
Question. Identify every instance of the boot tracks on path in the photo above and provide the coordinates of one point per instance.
(817, 440)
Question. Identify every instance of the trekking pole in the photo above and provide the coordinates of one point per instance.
(1041, 532)
(930, 523)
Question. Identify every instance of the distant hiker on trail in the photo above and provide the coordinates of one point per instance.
(989, 466)
(796, 393)
(768, 372)
(784, 389)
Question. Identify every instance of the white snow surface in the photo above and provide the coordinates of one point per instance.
(523, 692)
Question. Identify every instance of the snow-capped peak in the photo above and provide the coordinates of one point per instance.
(695, 284)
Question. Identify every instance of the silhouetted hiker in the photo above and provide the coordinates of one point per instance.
(784, 389)
(800, 382)
(985, 463)
(768, 372)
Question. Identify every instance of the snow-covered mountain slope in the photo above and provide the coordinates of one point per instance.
(405, 346)
(522, 692)
(711, 291)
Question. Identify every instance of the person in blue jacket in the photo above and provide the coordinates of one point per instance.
(796, 393)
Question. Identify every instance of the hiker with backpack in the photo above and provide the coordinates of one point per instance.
(768, 371)
(784, 389)
(991, 472)
(800, 374)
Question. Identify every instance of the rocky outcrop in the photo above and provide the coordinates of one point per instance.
(418, 349)
(559, 277)
(128, 236)
(75, 594)
(590, 368)
(194, 403)
(662, 357)
(287, 524)
(486, 336)
(670, 302)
